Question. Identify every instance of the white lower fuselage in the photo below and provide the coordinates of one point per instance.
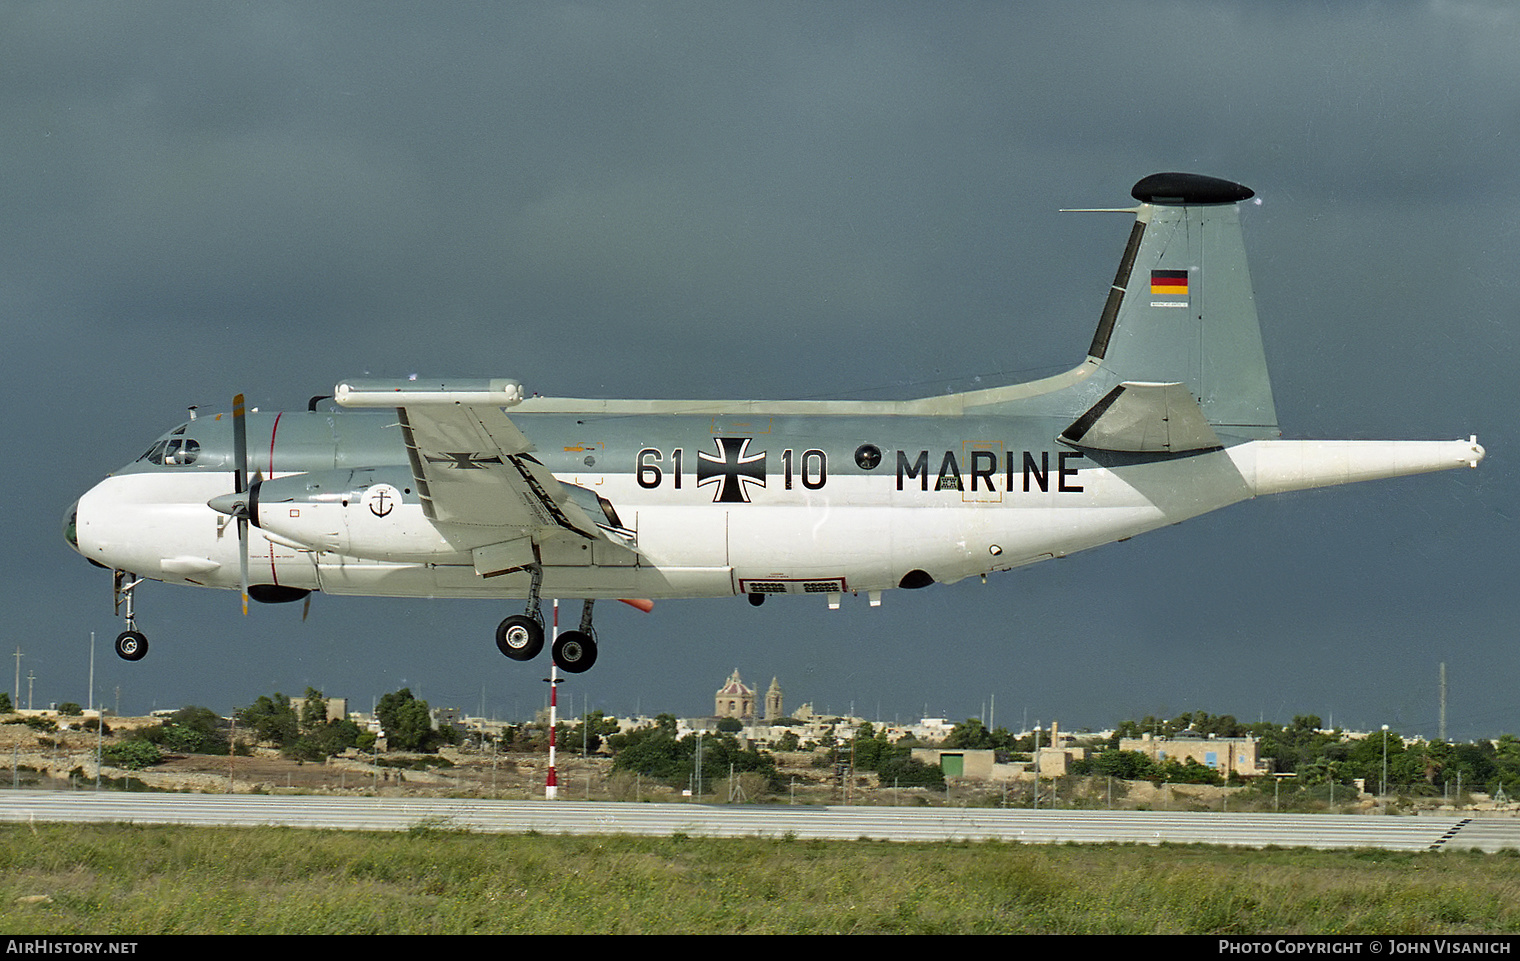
(856, 534)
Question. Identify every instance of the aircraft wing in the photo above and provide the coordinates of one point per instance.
(475, 469)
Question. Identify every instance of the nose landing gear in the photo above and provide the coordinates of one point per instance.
(131, 644)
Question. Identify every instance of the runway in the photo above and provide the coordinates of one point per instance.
(802, 822)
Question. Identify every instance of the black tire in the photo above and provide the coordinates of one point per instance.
(575, 652)
(520, 637)
(131, 645)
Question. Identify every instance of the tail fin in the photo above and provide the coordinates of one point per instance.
(1181, 308)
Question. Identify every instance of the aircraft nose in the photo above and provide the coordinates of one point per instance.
(71, 525)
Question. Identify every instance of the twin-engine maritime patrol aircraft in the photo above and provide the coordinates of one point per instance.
(431, 489)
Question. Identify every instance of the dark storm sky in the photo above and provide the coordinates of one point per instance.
(775, 200)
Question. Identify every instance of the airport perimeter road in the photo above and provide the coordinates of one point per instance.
(844, 823)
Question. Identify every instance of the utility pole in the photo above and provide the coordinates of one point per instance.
(1442, 732)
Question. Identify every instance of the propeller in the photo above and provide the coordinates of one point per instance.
(239, 505)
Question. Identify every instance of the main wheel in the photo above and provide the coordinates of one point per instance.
(520, 637)
(575, 652)
(131, 645)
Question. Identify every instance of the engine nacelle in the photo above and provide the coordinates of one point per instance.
(362, 512)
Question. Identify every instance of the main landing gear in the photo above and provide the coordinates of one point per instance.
(131, 644)
(575, 651)
(521, 636)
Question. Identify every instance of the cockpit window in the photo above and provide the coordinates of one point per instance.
(181, 452)
(173, 451)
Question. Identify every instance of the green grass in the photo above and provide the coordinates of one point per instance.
(113, 879)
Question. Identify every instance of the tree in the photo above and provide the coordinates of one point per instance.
(313, 711)
(133, 754)
(651, 751)
(272, 720)
(655, 752)
(904, 771)
(334, 737)
(589, 732)
(1126, 765)
(970, 734)
(189, 730)
(407, 723)
(1188, 772)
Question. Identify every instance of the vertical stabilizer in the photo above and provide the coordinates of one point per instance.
(1181, 309)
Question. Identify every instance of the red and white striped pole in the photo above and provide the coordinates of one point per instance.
(552, 788)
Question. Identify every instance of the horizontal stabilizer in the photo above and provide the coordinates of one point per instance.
(1144, 418)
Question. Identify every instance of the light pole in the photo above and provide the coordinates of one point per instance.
(1036, 765)
(551, 786)
(1384, 790)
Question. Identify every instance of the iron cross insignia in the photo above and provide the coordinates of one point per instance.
(731, 468)
(462, 460)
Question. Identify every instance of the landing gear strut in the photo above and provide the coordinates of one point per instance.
(131, 644)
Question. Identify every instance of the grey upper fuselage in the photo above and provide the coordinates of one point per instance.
(578, 436)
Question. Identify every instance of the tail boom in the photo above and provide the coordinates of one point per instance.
(1276, 466)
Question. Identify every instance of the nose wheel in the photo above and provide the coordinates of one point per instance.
(131, 644)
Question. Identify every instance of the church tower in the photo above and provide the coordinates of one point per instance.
(773, 702)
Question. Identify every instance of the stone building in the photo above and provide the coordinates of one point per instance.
(734, 698)
(1227, 755)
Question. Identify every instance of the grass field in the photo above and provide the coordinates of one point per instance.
(111, 879)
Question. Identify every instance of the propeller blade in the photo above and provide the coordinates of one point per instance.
(644, 605)
(242, 523)
(239, 476)
(239, 444)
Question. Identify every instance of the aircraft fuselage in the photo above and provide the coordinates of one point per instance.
(718, 504)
